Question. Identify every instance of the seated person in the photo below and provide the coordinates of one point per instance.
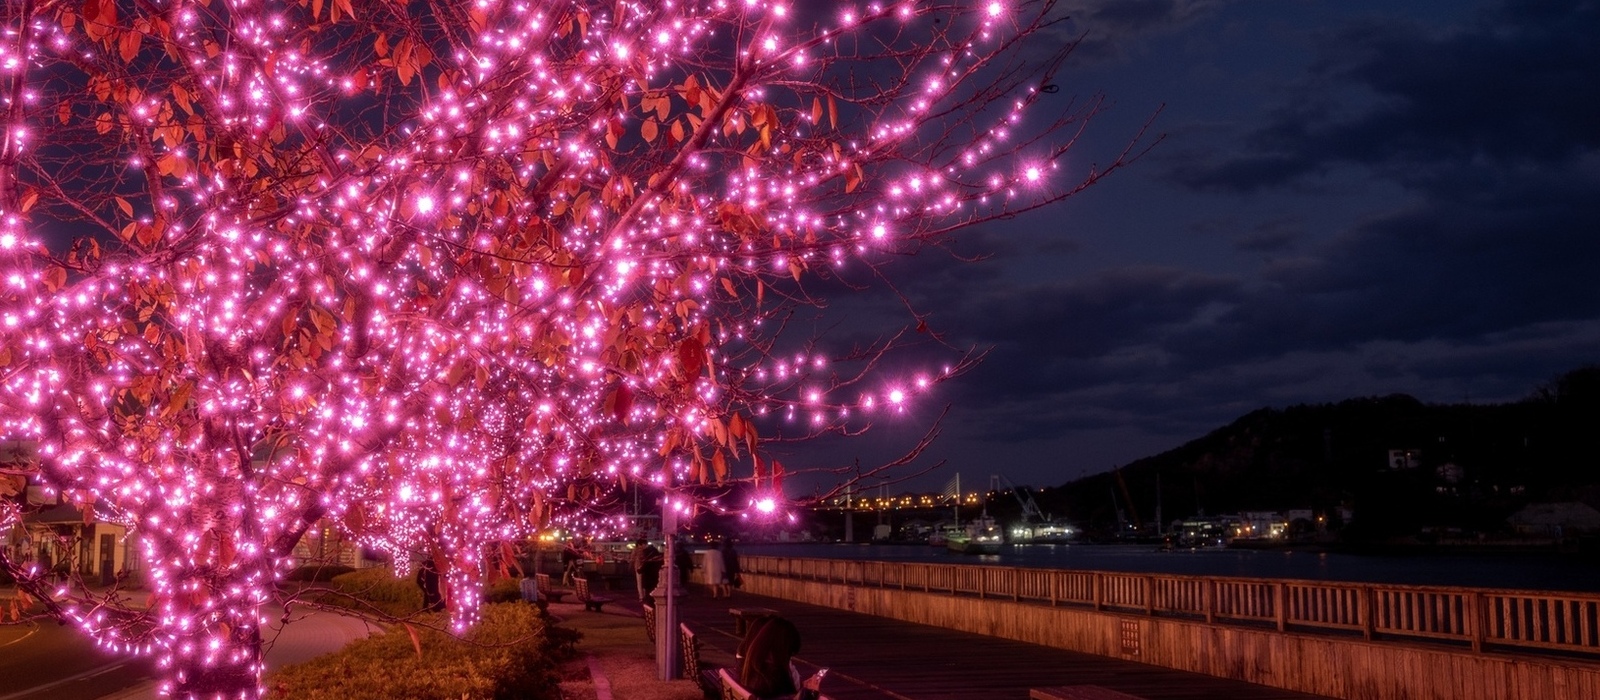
(764, 653)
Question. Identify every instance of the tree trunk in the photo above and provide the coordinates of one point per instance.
(207, 600)
(231, 670)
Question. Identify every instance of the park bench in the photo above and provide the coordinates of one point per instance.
(742, 617)
(529, 588)
(692, 670)
(590, 601)
(732, 690)
(547, 590)
(1079, 692)
(650, 621)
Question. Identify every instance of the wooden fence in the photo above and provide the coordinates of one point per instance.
(1479, 617)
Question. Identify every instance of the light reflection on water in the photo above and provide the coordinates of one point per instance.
(1533, 572)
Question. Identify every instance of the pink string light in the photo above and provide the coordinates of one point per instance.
(445, 289)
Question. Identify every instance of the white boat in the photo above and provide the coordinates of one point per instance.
(1050, 532)
(940, 537)
(981, 536)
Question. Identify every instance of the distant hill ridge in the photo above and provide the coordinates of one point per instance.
(1467, 465)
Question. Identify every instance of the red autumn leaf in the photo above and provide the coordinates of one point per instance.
(415, 642)
(621, 402)
(692, 355)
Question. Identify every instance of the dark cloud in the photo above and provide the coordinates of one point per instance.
(1110, 29)
(1129, 17)
(1088, 318)
(1445, 272)
(1446, 249)
(1272, 236)
(1050, 342)
(1464, 301)
(1058, 246)
(1517, 88)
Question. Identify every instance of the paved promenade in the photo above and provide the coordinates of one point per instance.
(869, 658)
(874, 657)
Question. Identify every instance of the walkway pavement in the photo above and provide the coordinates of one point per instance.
(869, 658)
(873, 658)
(616, 661)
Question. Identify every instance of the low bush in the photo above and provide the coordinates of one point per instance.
(374, 590)
(505, 590)
(318, 572)
(511, 653)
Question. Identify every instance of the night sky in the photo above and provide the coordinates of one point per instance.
(1351, 199)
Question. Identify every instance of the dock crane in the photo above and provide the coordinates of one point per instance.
(1127, 497)
(1030, 509)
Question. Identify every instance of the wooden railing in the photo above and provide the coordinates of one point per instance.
(1477, 617)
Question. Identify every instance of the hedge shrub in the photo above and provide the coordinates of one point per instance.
(504, 590)
(511, 653)
(375, 588)
(318, 572)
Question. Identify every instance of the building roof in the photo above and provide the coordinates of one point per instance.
(65, 514)
(1566, 514)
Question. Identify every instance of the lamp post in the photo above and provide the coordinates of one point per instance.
(668, 654)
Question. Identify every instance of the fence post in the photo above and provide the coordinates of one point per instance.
(1099, 593)
(1211, 601)
(1280, 605)
(1055, 582)
(983, 578)
(1477, 618)
(1368, 612)
(1016, 585)
(1150, 595)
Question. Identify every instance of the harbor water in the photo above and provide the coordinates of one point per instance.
(1547, 572)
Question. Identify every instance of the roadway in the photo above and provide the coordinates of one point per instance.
(46, 661)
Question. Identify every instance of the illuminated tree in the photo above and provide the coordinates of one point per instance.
(445, 273)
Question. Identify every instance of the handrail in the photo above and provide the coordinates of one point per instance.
(1478, 617)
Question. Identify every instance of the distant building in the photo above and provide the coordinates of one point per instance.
(71, 539)
(1555, 519)
(60, 536)
(325, 545)
(1261, 524)
(1405, 459)
(87, 541)
(1204, 531)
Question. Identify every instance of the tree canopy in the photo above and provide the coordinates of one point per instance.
(447, 273)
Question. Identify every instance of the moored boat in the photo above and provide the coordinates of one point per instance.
(941, 535)
(981, 536)
(1049, 532)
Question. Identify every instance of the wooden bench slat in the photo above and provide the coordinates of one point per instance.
(742, 617)
(547, 589)
(589, 600)
(731, 690)
(710, 685)
(1079, 692)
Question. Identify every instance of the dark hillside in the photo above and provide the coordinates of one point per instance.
(1469, 465)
